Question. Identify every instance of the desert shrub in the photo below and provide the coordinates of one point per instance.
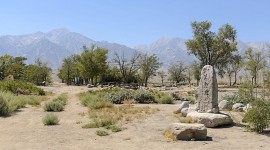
(115, 128)
(35, 100)
(54, 106)
(166, 99)
(20, 87)
(143, 96)
(191, 99)
(169, 135)
(50, 119)
(101, 133)
(3, 106)
(10, 103)
(61, 99)
(258, 116)
(120, 96)
(191, 93)
(90, 125)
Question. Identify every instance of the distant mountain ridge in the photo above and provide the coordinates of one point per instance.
(57, 44)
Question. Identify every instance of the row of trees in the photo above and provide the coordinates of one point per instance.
(92, 66)
(16, 68)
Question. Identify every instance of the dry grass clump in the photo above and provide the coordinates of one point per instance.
(170, 135)
(118, 114)
(186, 120)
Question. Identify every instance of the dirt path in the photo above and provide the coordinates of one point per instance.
(25, 130)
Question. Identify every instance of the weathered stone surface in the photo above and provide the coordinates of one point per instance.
(210, 120)
(238, 107)
(207, 92)
(224, 105)
(247, 107)
(183, 105)
(185, 111)
(187, 132)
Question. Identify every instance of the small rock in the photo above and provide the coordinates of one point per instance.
(224, 105)
(183, 105)
(187, 132)
(238, 107)
(210, 120)
(184, 112)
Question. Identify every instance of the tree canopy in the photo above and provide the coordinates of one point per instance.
(212, 48)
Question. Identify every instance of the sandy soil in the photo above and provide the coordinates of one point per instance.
(25, 130)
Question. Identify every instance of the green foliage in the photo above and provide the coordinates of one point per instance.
(10, 103)
(95, 101)
(166, 99)
(120, 96)
(144, 97)
(10, 65)
(177, 72)
(148, 67)
(258, 116)
(186, 120)
(244, 95)
(90, 125)
(69, 69)
(211, 48)
(191, 99)
(38, 72)
(127, 68)
(20, 87)
(53, 106)
(56, 104)
(255, 61)
(50, 119)
(101, 133)
(4, 109)
(115, 128)
(92, 62)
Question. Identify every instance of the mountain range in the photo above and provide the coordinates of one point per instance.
(54, 46)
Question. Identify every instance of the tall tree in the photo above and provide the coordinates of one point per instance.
(69, 69)
(148, 67)
(92, 62)
(127, 67)
(212, 48)
(255, 61)
(177, 71)
(38, 72)
(162, 76)
(196, 69)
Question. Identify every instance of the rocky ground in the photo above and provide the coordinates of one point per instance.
(25, 130)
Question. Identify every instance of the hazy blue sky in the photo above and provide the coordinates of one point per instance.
(133, 22)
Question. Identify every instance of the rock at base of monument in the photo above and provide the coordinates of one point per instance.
(210, 120)
(187, 132)
(213, 110)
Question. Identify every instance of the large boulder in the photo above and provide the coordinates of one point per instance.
(238, 107)
(184, 104)
(210, 120)
(246, 108)
(207, 92)
(224, 105)
(187, 132)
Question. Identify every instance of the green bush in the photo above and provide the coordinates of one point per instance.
(10, 103)
(191, 99)
(90, 125)
(95, 101)
(20, 87)
(144, 97)
(101, 133)
(258, 116)
(3, 106)
(50, 119)
(54, 106)
(166, 99)
(120, 96)
(115, 128)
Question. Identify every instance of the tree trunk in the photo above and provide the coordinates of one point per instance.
(230, 81)
(235, 78)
